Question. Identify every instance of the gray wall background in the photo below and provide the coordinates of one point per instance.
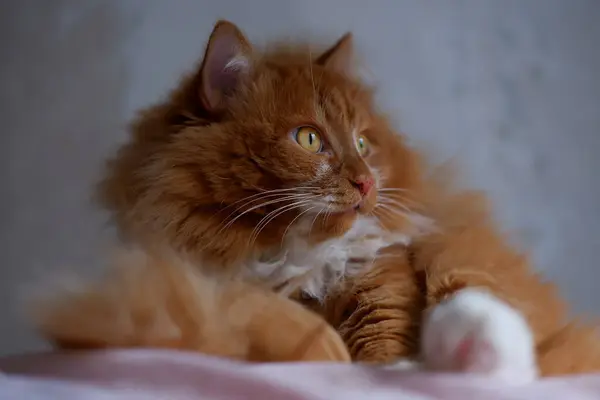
(509, 87)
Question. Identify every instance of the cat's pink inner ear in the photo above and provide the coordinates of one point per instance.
(226, 61)
(339, 57)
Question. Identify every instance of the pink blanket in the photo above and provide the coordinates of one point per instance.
(154, 374)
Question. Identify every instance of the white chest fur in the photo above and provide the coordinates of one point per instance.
(318, 267)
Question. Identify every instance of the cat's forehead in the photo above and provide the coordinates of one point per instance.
(341, 109)
(311, 94)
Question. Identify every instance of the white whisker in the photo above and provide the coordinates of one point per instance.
(384, 200)
(393, 190)
(399, 197)
(270, 193)
(286, 195)
(327, 215)
(291, 223)
(383, 211)
(279, 200)
(272, 215)
(394, 212)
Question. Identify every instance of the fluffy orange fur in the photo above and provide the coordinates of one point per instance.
(195, 179)
(149, 301)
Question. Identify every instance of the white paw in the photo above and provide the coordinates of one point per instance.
(477, 333)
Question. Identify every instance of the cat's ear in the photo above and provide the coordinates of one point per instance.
(227, 60)
(339, 57)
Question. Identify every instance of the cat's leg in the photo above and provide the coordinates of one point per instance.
(469, 251)
(475, 332)
(378, 313)
(148, 302)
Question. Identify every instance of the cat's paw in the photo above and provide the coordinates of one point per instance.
(475, 332)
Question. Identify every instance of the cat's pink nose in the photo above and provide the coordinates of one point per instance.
(364, 184)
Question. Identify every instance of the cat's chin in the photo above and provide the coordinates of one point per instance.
(352, 211)
(335, 224)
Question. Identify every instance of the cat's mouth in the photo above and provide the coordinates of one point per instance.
(363, 205)
(353, 209)
(366, 205)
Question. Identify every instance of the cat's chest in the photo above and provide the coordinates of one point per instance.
(316, 268)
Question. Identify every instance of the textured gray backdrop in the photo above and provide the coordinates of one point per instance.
(510, 87)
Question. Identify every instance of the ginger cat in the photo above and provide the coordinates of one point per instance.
(273, 172)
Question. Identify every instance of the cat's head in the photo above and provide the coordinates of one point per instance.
(256, 141)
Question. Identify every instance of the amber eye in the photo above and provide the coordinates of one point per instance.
(309, 138)
(362, 144)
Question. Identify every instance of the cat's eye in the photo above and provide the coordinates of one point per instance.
(362, 144)
(309, 138)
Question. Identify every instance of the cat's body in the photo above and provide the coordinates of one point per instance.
(275, 170)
